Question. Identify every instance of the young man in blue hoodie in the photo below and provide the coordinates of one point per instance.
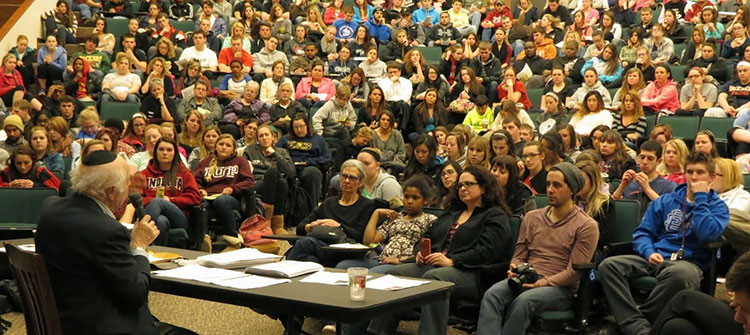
(669, 245)
(377, 27)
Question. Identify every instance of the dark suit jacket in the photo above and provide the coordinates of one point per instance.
(483, 239)
(99, 286)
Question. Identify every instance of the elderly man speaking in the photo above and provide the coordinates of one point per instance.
(99, 273)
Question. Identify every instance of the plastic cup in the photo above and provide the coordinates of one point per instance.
(357, 280)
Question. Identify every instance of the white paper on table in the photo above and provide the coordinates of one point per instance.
(199, 273)
(349, 246)
(328, 278)
(250, 282)
(321, 96)
(25, 247)
(391, 283)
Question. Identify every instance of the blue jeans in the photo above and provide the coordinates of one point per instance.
(488, 34)
(433, 319)
(167, 216)
(223, 208)
(86, 10)
(502, 312)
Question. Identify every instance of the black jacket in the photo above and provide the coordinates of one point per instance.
(489, 71)
(483, 239)
(719, 67)
(394, 51)
(99, 286)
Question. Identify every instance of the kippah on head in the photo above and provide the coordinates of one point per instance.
(99, 157)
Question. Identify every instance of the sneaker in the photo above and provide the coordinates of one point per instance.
(42, 91)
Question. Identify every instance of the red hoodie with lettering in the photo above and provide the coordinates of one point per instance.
(234, 172)
(184, 194)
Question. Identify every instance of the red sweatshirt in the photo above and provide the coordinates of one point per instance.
(10, 81)
(232, 172)
(41, 178)
(185, 194)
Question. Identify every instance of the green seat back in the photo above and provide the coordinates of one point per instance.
(21, 207)
(431, 55)
(746, 181)
(515, 228)
(677, 72)
(434, 211)
(718, 125)
(117, 27)
(683, 127)
(120, 110)
(628, 218)
(650, 121)
(186, 26)
(541, 200)
(67, 162)
(535, 96)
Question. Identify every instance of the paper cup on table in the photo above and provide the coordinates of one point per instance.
(357, 280)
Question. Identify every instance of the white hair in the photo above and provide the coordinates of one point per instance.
(95, 180)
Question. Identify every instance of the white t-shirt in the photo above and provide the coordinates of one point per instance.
(117, 81)
(207, 57)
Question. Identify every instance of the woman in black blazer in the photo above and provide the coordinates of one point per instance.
(472, 233)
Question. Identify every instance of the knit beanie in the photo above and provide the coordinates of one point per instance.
(13, 120)
(572, 174)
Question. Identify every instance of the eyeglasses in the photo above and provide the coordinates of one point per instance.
(447, 173)
(527, 156)
(348, 177)
(467, 184)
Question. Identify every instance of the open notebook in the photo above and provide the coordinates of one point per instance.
(285, 269)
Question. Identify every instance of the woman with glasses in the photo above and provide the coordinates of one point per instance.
(346, 213)
(697, 95)
(534, 174)
(445, 187)
(310, 154)
(475, 232)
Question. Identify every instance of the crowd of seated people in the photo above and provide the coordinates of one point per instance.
(344, 110)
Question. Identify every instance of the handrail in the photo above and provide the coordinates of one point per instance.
(20, 10)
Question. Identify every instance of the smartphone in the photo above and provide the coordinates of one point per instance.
(160, 192)
(425, 247)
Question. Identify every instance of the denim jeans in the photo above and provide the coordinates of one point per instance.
(502, 312)
(223, 208)
(167, 216)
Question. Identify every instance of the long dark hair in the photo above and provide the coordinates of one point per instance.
(170, 176)
(23, 149)
(510, 164)
(555, 144)
(442, 191)
(501, 135)
(439, 109)
(414, 167)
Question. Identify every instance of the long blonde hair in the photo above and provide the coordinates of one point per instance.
(595, 199)
(204, 151)
(682, 151)
(214, 164)
(192, 140)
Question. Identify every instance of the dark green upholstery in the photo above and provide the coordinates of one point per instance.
(431, 55)
(186, 26)
(535, 96)
(718, 125)
(120, 110)
(541, 200)
(683, 127)
(21, 207)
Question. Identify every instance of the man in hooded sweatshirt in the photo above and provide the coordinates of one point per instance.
(550, 239)
(377, 28)
(669, 246)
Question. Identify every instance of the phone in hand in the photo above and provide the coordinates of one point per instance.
(160, 192)
(425, 247)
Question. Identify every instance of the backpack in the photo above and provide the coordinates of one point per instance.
(299, 205)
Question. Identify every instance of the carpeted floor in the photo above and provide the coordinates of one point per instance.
(207, 317)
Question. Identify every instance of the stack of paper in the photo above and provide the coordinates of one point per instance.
(285, 269)
(391, 283)
(221, 277)
(237, 259)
